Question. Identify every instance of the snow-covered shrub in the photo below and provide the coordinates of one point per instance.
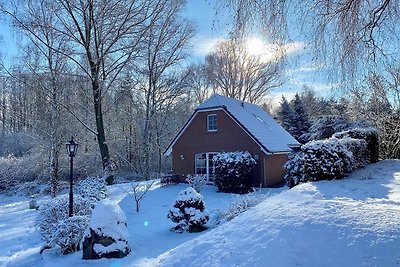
(294, 170)
(358, 147)
(232, 171)
(107, 235)
(370, 135)
(70, 232)
(188, 212)
(239, 205)
(197, 181)
(93, 189)
(52, 214)
(15, 171)
(326, 159)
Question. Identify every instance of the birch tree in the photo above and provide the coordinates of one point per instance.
(354, 36)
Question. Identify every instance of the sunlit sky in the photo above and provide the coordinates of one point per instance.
(211, 28)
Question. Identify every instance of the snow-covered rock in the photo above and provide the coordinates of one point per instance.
(107, 236)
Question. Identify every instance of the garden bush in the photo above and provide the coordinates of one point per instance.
(233, 171)
(370, 135)
(54, 224)
(239, 205)
(197, 181)
(70, 232)
(188, 212)
(93, 189)
(294, 170)
(327, 159)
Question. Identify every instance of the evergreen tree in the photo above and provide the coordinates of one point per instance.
(300, 123)
(285, 115)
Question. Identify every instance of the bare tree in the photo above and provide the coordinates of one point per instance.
(165, 46)
(102, 36)
(234, 72)
(198, 83)
(139, 192)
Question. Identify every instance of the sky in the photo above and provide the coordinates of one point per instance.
(211, 28)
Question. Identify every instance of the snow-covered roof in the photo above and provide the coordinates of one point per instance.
(260, 125)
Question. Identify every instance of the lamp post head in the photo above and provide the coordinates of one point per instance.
(72, 147)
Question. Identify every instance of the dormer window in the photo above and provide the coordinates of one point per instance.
(212, 125)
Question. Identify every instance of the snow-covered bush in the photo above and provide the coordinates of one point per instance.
(319, 160)
(294, 170)
(197, 181)
(233, 170)
(93, 189)
(107, 235)
(53, 213)
(239, 205)
(70, 232)
(370, 135)
(358, 147)
(188, 212)
(326, 159)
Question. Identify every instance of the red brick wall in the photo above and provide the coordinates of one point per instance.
(273, 169)
(196, 139)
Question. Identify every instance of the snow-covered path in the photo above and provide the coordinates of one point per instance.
(18, 236)
(352, 222)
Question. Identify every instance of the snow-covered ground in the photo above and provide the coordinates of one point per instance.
(149, 229)
(351, 222)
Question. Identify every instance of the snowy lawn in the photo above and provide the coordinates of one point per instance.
(351, 222)
(149, 229)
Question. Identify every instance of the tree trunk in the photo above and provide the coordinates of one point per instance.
(53, 169)
(101, 137)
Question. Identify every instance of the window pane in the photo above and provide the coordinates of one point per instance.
(212, 122)
(200, 164)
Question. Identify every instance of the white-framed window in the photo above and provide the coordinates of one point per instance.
(212, 123)
(204, 164)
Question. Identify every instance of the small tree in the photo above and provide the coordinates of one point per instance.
(188, 212)
(233, 171)
(139, 191)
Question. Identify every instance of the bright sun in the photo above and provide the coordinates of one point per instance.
(255, 46)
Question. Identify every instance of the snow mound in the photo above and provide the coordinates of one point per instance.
(103, 219)
(352, 222)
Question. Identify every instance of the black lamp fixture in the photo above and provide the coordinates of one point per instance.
(72, 148)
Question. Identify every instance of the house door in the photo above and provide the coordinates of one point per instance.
(204, 164)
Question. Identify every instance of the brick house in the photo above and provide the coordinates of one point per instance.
(222, 124)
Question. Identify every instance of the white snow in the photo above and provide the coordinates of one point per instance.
(188, 195)
(118, 245)
(108, 219)
(349, 222)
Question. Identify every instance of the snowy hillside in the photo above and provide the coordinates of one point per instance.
(352, 222)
